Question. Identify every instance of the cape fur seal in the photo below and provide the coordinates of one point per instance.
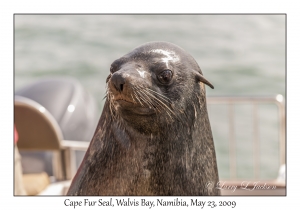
(154, 135)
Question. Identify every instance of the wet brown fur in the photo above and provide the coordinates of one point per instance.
(169, 149)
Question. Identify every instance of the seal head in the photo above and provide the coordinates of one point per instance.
(154, 136)
(152, 79)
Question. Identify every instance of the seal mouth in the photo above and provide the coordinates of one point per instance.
(124, 100)
(140, 100)
(118, 97)
(133, 107)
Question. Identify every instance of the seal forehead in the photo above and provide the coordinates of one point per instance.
(169, 55)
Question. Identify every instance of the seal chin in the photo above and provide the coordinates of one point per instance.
(133, 108)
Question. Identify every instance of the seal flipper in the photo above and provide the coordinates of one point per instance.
(121, 136)
(200, 78)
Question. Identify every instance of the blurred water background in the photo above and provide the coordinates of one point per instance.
(240, 55)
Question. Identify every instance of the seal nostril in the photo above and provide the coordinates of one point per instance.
(118, 81)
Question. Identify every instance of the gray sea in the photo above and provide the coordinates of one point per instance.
(241, 55)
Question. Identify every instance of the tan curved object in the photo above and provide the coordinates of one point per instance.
(35, 183)
(37, 128)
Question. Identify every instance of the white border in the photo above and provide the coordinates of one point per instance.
(8, 8)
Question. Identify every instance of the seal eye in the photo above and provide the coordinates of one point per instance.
(165, 76)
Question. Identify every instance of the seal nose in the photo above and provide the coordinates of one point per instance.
(118, 80)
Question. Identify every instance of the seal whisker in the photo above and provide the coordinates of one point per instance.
(145, 100)
(157, 97)
(159, 105)
(149, 100)
(156, 104)
(146, 90)
(155, 92)
(160, 102)
(111, 106)
(133, 98)
(135, 94)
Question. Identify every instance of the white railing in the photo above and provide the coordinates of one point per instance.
(230, 101)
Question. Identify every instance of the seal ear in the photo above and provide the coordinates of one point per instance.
(200, 78)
